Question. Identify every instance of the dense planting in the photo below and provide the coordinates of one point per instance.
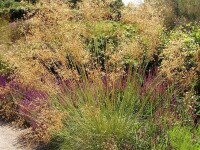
(94, 74)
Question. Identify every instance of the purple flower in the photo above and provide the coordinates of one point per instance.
(32, 94)
(104, 81)
(2, 81)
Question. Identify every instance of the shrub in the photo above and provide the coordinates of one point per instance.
(189, 8)
(179, 58)
(180, 64)
(166, 10)
(71, 41)
(149, 26)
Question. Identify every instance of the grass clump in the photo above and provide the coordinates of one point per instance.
(116, 117)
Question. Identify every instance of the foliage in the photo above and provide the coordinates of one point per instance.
(80, 38)
(189, 8)
(180, 61)
(27, 106)
(94, 74)
(11, 9)
(116, 117)
(181, 138)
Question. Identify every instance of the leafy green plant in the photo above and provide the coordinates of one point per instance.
(4, 68)
(12, 10)
(183, 43)
(182, 138)
(105, 38)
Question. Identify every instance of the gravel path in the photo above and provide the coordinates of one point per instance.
(9, 138)
(135, 2)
